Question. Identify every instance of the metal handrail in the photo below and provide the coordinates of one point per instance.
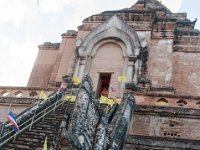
(43, 112)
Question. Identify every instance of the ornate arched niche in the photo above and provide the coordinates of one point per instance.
(124, 40)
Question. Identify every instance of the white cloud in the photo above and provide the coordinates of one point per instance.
(16, 11)
(87, 8)
(52, 6)
(25, 25)
(96, 6)
(12, 11)
(16, 60)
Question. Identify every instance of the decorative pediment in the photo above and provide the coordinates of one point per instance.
(114, 28)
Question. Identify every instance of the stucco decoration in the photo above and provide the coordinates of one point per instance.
(115, 31)
(114, 28)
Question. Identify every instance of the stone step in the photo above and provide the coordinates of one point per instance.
(36, 136)
(48, 126)
(18, 146)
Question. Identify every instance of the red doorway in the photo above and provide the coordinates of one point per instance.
(103, 85)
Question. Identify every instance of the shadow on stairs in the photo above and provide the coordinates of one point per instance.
(34, 138)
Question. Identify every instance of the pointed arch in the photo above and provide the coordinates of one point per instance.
(114, 28)
(114, 31)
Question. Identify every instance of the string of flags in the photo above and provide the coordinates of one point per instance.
(76, 81)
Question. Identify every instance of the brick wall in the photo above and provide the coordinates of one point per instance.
(43, 67)
(109, 59)
(160, 62)
(67, 59)
(170, 123)
(186, 72)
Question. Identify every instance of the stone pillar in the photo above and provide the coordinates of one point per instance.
(77, 67)
(124, 73)
(88, 65)
(135, 76)
(81, 69)
(130, 71)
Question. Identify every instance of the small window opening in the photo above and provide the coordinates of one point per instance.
(181, 102)
(4, 93)
(162, 101)
(18, 94)
(198, 104)
(33, 93)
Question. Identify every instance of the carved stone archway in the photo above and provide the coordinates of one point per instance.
(116, 31)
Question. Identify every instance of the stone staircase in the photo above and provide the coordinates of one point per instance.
(46, 127)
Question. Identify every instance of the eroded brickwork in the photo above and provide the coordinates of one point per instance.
(172, 46)
(108, 59)
(156, 49)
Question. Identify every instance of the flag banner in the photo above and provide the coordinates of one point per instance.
(61, 88)
(122, 79)
(11, 118)
(112, 89)
(76, 80)
(110, 102)
(45, 144)
(103, 99)
(106, 100)
(162, 103)
(43, 95)
(70, 98)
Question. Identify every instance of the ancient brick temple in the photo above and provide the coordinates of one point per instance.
(157, 50)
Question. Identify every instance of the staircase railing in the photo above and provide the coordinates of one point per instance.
(28, 123)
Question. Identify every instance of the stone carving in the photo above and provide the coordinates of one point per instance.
(88, 129)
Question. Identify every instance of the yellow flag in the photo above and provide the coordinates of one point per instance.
(110, 102)
(162, 103)
(43, 95)
(122, 79)
(76, 80)
(45, 144)
(103, 99)
(70, 98)
(106, 100)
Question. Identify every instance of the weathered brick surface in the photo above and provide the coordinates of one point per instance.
(166, 33)
(67, 58)
(179, 123)
(177, 127)
(186, 73)
(43, 67)
(108, 59)
(160, 62)
(173, 52)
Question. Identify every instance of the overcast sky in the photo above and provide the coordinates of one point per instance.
(24, 24)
